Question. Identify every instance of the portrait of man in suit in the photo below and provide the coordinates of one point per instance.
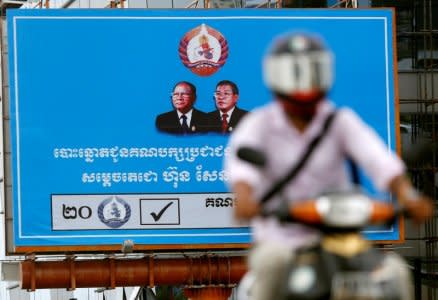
(184, 118)
(226, 116)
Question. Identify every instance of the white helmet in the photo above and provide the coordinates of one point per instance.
(299, 68)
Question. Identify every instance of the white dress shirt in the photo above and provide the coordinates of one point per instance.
(188, 115)
(229, 113)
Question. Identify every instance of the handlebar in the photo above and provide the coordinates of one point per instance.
(346, 210)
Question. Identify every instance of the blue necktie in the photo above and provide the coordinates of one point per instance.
(185, 127)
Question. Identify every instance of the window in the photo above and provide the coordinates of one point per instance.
(304, 3)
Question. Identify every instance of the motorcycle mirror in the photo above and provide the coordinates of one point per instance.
(251, 155)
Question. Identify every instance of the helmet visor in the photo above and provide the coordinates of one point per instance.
(300, 73)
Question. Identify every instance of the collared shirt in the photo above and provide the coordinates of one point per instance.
(269, 130)
(188, 115)
(229, 113)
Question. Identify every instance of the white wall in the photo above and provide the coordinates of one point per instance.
(414, 85)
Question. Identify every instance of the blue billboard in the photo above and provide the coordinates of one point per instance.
(98, 153)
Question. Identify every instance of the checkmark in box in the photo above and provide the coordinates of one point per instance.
(164, 211)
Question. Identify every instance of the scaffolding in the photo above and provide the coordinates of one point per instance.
(418, 111)
(172, 3)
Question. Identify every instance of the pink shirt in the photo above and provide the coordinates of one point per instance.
(269, 130)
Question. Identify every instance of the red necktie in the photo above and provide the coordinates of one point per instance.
(224, 123)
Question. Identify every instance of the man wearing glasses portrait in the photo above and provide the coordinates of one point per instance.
(184, 118)
(226, 116)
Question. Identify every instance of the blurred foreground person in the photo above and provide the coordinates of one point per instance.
(299, 71)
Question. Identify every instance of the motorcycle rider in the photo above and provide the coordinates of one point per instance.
(298, 70)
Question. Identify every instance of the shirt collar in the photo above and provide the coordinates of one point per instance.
(188, 114)
(229, 113)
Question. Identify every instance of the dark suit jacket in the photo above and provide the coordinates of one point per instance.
(169, 122)
(215, 121)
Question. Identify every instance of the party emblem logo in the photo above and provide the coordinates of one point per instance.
(114, 212)
(203, 50)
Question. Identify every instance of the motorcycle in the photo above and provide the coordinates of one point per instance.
(344, 265)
